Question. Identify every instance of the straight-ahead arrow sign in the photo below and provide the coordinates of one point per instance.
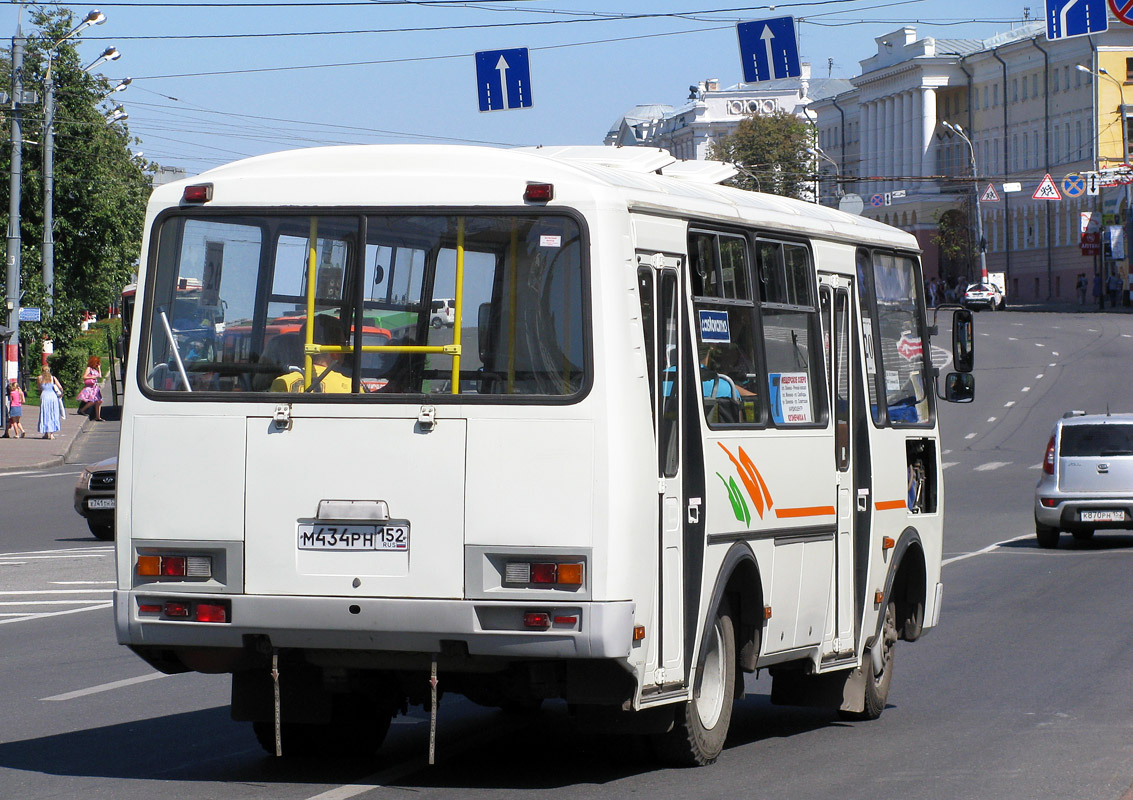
(769, 49)
(503, 79)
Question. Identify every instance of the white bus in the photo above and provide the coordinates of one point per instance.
(678, 433)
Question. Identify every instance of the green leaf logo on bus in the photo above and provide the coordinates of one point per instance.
(752, 481)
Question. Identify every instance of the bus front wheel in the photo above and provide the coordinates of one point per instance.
(701, 725)
(877, 681)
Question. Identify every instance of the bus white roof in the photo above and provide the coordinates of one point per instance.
(464, 176)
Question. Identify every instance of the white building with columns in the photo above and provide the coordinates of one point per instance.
(1030, 107)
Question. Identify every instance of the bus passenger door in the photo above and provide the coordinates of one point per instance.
(659, 286)
(836, 308)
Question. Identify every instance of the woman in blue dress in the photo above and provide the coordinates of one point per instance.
(50, 403)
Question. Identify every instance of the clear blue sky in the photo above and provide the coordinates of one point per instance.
(197, 103)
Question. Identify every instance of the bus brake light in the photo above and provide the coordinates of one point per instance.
(539, 620)
(201, 193)
(539, 192)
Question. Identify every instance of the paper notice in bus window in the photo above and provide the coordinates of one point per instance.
(790, 397)
(892, 380)
(210, 281)
(549, 240)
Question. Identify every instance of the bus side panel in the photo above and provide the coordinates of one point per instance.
(191, 487)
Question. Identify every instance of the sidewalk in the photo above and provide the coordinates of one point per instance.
(34, 452)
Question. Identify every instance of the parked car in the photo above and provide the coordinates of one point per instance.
(443, 313)
(983, 295)
(94, 497)
(1087, 477)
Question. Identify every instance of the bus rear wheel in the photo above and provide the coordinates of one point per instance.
(701, 725)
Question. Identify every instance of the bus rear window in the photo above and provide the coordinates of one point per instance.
(335, 304)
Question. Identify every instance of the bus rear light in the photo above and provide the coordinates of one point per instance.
(543, 573)
(638, 633)
(539, 192)
(201, 193)
(1048, 460)
(149, 608)
(173, 566)
(569, 574)
(150, 566)
(517, 572)
(176, 610)
(211, 612)
(571, 621)
(538, 620)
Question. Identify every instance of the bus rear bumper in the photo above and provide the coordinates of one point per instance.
(497, 629)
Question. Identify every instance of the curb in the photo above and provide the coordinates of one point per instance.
(54, 461)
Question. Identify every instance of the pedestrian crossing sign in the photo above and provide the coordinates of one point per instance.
(989, 195)
(1047, 190)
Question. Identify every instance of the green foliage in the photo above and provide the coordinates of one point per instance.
(100, 190)
(771, 151)
(953, 238)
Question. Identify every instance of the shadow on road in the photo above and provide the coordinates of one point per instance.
(1101, 541)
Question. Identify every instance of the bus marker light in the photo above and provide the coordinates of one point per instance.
(887, 543)
(201, 193)
(149, 608)
(211, 612)
(877, 598)
(537, 619)
(572, 621)
(173, 566)
(543, 573)
(149, 565)
(539, 192)
(638, 632)
(767, 612)
(570, 574)
(175, 609)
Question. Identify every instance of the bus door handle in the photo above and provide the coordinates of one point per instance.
(693, 510)
(863, 499)
(282, 417)
(427, 417)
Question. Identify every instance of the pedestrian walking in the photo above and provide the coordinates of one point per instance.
(91, 394)
(1113, 285)
(1081, 287)
(50, 403)
(15, 397)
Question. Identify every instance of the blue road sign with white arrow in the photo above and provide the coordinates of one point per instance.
(769, 50)
(503, 79)
(1066, 18)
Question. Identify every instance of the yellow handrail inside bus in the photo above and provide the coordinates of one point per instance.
(312, 270)
(458, 314)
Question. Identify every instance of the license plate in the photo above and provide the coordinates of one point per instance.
(1102, 516)
(100, 503)
(353, 538)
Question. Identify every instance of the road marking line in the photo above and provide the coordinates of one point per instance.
(992, 465)
(60, 551)
(56, 613)
(987, 549)
(82, 583)
(1012, 339)
(1009, 403)
(75, 555)
(1039, 344)
(70, 602)
(1026, 389)
(948, 464)
(971, 436)
(1054, 353)
(51, 591)
(106, 687)
(991, 419)
(1052, 365)
(1039, 377)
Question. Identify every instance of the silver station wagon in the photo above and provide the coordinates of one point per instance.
(1087, 477)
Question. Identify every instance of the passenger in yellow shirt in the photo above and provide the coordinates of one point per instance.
(325, 376)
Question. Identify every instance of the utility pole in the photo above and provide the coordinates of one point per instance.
(12, 302)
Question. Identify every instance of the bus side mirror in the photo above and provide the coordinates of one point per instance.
(963, 341)
(960, 387)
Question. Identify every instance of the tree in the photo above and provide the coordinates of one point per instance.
(771, 152)
(100, 187)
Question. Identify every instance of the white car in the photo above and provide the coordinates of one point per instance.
(443, 313)
(983, 295)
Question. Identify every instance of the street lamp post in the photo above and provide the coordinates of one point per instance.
(12, 349)
(981, 243)
(818, 152)
(94, 17)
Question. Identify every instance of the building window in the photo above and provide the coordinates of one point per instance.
(995, 95)
(1069, 144)
(1054, 82)
(1024, 87)
(1035, 85)
(1056, 148)
(1015, 151)
(1078, 136)
(1026, 151)
(1015, 90)
(1129, 69)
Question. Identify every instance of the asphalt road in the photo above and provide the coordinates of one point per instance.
(1024, 691)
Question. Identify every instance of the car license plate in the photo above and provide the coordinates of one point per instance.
(1102, 516)
(100, 503)
(353, 538)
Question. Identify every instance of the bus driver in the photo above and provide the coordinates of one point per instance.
(326, 376)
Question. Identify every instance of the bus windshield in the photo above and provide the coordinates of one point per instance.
(234, 293)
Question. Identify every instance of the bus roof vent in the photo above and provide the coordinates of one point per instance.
(700, 171)
(631, 159)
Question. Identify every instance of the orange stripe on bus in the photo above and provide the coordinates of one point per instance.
(891, 505)
(813, 511)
